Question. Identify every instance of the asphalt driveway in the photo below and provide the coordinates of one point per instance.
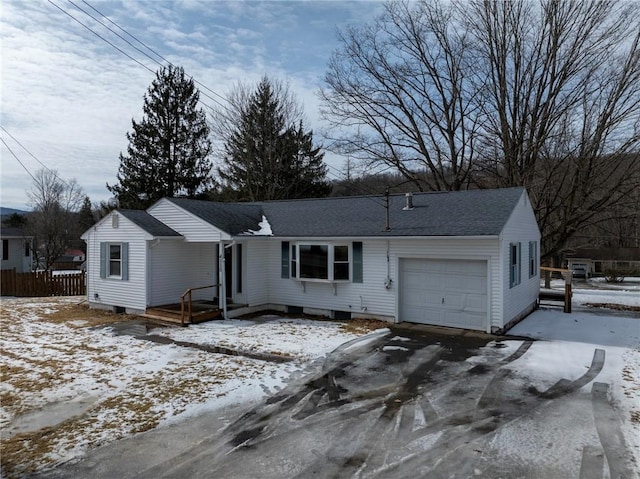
(408, 403)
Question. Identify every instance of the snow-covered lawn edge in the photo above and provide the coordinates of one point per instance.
(68, 386)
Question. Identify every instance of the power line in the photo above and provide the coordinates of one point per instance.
(101, 37)
(24, 148)
(142, 52)
(116, 47)
(150, 49)
(17, 159)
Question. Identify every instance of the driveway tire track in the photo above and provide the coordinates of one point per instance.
(610, 433)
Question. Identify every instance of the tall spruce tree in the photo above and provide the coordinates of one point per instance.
(267, 154)
(168, 150)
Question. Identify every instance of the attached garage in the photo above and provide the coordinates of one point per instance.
(444, 292)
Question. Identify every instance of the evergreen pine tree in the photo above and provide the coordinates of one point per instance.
(267, 157)
(168, 150)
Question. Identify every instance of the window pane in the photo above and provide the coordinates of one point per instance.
(341, 253)
(341, 271)
(314, 261)
(114, 268)
(114, 251)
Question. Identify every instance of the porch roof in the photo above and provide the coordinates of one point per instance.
(148, 223)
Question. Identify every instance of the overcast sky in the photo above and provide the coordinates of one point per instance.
(68, 97)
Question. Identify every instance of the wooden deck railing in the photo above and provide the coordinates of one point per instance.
(548, 294)
(42, 283)
(187, 294)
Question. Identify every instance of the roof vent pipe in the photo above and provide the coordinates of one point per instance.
(409, 198)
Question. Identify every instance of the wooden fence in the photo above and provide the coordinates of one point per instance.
(43, 283)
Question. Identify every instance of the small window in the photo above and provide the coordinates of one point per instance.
(533, 259)
(514, 264)
(115, 260)
(26, 249)
(5, 249)
(341, 263)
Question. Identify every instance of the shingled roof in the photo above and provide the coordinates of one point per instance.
(460, 213)
(148, 223)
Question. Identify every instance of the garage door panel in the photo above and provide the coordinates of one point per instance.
(444, 292)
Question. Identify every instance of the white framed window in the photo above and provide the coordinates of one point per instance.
(514, 264)
(320, 261)
(114, 261)
(315, 261)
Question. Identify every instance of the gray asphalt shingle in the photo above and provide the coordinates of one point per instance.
(460, 213)
(148, 223)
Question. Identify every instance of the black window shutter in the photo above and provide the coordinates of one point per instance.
(357, 262)
(285, 260)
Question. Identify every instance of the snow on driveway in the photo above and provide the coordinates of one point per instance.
(68, 385)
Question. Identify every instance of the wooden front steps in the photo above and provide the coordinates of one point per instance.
(201, 311)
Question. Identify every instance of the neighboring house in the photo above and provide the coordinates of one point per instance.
(465, 259)
(597, 261)
(72, 259)
(16, 249)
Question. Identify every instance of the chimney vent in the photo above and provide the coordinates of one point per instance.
(409, 198)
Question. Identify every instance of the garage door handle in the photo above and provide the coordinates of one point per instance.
(442, 300)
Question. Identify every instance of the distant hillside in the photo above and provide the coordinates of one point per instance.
(9, 211)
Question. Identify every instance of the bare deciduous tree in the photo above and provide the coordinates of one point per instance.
(399, 95)
(52, 221)
(489, 93)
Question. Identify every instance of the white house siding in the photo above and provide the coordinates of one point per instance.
(256, 259)
(175, 266)
(369, 298)
(372, 297)
(129, 294)
(188, 225)
(521, 227)
(16, 257)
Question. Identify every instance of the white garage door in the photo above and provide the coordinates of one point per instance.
(444, 292)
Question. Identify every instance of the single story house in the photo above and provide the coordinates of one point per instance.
(16, 249)
(72, 259)
(465, 259)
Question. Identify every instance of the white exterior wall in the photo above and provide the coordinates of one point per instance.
(521, 227)
(257, 256)
(191, 227)
(372, 297)
(132, 293)
(175, 266)
(16, 257)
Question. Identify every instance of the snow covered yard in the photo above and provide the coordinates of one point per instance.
(69, 383)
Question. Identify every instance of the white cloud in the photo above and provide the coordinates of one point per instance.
(69, 97)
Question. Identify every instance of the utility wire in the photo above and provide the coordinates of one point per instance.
(18, 159)
(149, 48)
(114, 46)
(54, 172)
(101, 37)
(139, 50)
(25, 149)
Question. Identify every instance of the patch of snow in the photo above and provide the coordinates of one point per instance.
(394, 348)
(265, 228)
(582, 327)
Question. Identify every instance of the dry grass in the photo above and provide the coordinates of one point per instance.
(618, 307)
(362, 326)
